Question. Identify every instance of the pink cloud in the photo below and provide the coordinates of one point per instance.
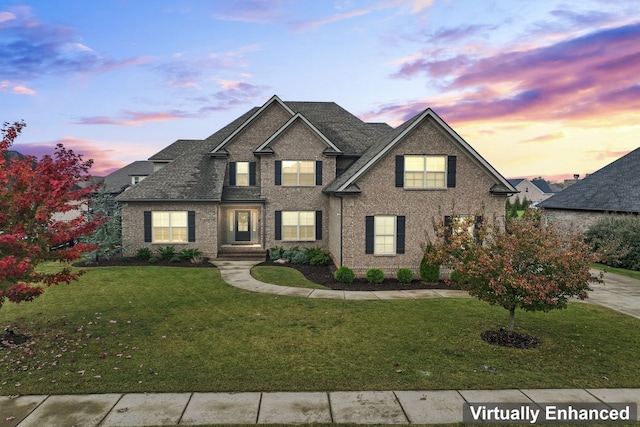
(579, 78)
(546, 138)
(134, 118)
(15, 88)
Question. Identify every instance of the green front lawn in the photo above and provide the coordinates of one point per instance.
(283, 276)
(171, 329)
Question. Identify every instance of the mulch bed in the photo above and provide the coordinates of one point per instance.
(324, 276)
(135, 262)
(510, 339)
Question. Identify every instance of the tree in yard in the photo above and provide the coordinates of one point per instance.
(31, 193)
(528, 265)
(107, 238)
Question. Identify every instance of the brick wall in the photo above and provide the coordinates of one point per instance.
(421, 207)
(206, 233)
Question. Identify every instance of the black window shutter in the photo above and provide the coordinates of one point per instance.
(400, 233)
(318, 225)
(278, 225)
(451, 171)
(232, 173)
(399, 171)
(447, 229)
(318, 172)
(252, 173)
(477, 226)
(191, 226)
(147, 226)
(278, 170)
(369, 235)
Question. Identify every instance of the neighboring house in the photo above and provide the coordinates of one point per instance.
(311, 174)
(131, 174)
(535, 190)
(614, 189)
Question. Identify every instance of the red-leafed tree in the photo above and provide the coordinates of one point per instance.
(32, 192)
(526, 265)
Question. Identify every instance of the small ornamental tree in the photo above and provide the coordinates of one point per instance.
(31, 192)
(528, 265)
(108, 236)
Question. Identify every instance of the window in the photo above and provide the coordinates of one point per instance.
(298, 172)
(242, 174)
(136, 179)
(298, 225)
(169, 227)
(385, 234)
(425, 171)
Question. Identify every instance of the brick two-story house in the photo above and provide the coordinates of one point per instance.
(311, 174)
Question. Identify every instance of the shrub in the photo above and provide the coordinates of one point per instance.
(189, 254)
(153, 260)
(375, 276)
(616, 240)
(275, 253)
(404, 275)
(167, 252)
(455, 277)
(197, 260)
(317, 256)
(290, 253)
(344, 274)
(300, 258)
(429, 272)
(144, 254)
(175, 258)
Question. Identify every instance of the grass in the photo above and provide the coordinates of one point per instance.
(171, 329)
(620, 271)
(284, 276)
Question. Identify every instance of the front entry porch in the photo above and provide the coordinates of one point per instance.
(239, 235)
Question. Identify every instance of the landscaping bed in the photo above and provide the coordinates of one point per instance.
(323, 275)
(133, 261)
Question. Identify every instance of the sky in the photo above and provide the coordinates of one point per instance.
(545, 88)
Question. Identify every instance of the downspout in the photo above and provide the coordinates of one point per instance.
(341, 229)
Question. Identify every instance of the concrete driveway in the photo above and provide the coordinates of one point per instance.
(619, 293)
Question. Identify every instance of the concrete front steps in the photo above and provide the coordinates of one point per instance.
(242, 252)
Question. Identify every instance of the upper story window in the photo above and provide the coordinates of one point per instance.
(425, 171)
(136, 179)
(298, 172)
(242, 174)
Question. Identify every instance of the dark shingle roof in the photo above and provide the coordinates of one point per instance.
(614, 188)
(118, 180)
(192, 175)
(515, 182)
(543, 186)
(176, 149)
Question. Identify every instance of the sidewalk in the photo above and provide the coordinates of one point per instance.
(358, 407)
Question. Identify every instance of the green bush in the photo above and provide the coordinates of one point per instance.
(455, 277)
(375, 276)
(167, 252)
(153, 260)
(299, 258)
(344, 274)
(189, 254)
(175, 259)
(275, 253)
(144, 254)
(429, 272)
(290, 253)
(404, 275)
(317, 256)
(616, 240)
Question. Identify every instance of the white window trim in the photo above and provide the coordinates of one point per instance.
(394, 234)
(426, 171)
(170, 227)
(298, 173)
(298, 239)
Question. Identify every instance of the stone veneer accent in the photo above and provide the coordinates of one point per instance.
(572, 220)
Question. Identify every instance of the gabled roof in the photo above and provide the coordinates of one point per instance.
(118, 180)
(543, 186)
(515, 182)
(346, 181)
(614, 188)
(274, 100)
(297, 117)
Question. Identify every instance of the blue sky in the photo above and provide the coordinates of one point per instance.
(545, 88)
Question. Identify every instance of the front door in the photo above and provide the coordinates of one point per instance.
(243, 226)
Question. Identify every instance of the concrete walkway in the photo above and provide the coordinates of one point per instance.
(619, 293)
(359, 407)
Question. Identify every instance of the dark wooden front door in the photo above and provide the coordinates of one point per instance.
(243, 226)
